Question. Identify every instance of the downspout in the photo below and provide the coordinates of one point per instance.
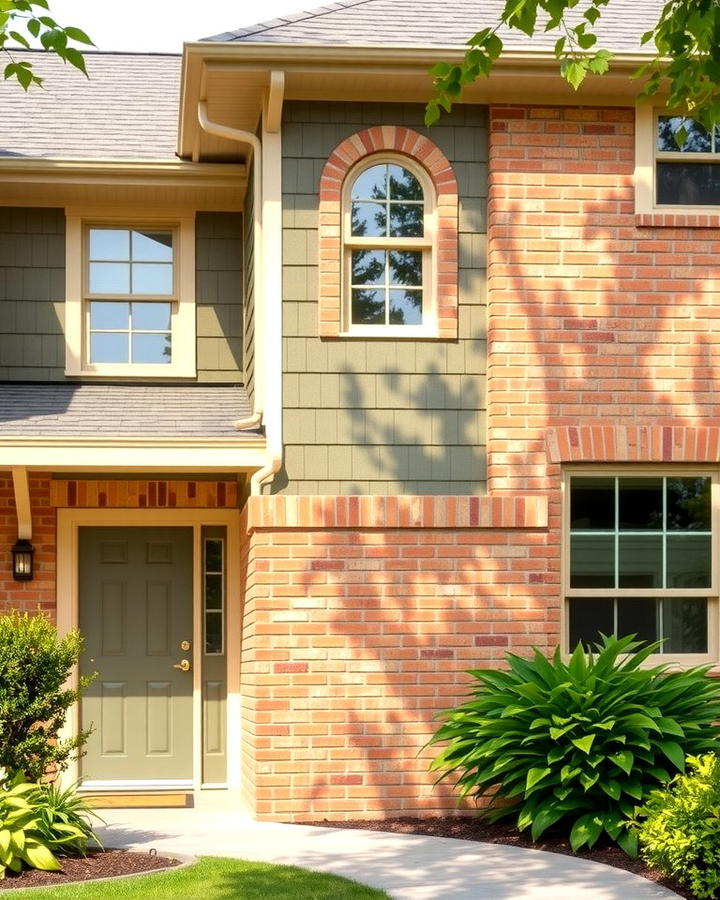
(267, 305)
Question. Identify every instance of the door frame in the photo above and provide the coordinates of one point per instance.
(69, 521)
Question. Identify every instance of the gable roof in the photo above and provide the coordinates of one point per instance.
(431, 24)
(127, 109)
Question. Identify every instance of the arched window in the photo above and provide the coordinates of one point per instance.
(388, 242)
(388, 230)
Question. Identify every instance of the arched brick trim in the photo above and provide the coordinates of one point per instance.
(639, 443)
(396, 139)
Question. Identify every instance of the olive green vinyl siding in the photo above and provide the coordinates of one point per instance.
(219, 242)
(249, 301)
(381, 416)
(32, 294)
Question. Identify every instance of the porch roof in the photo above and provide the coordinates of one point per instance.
(124, 410)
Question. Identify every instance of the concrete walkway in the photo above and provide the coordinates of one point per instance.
(408, 867)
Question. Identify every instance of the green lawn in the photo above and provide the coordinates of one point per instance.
(214, 878)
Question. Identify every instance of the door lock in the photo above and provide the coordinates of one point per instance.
(184, 645)
(183, 665)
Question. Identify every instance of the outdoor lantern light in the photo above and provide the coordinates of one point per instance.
(22, 553)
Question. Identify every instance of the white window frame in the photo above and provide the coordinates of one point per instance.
(711, 593)
(646, 158)
(78, 298)
(426, 244)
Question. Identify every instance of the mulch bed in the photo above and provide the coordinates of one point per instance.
(97, 864)
(473, 829)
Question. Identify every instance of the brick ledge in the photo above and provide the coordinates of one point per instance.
(639, 443)
(513, 511)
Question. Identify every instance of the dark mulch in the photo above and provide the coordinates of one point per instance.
(97, 864)
(473, 829)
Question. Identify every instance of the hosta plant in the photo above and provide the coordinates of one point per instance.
(680, 827)
(64, 819)
(577, 744)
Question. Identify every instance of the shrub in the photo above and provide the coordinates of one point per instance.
(63, 819)
(681, 834)
(34, 666)
(578, 744)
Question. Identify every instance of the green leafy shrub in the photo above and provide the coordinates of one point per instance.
(64, 819)
(21, 840)
(681, 831)
(34, 699)
(578, 744)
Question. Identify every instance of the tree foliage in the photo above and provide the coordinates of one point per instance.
(23, 20)
(686, 39)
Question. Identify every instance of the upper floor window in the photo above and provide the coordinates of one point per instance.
(687, 162)
(388, 246)
(137, 265)
(130, 302)
(388, 238)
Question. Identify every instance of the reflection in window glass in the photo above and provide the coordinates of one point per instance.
(125, 261)
(214, 594)
(384, 270)
(130, 332)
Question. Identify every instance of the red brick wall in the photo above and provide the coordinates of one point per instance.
(597, 317)
(362, 616)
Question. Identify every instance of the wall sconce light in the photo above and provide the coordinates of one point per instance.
(22, 553)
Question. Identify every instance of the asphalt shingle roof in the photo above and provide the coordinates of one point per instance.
(427, 23)
(96, 410)
(127, 109)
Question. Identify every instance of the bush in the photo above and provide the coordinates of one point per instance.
(578, 744)
(34, 666)
(681, 834)
(37, 819)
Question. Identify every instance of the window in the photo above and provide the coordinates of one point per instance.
(640, 560)
(388, 238)
(214, 595)
(388, 228)
(687, 162)
(130, 298)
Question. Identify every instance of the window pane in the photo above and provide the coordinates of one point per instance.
(371, 184)
(368, 307)
(213, 632)
(588, 619)
(213, 556)
(697, 141)
(688, 504)
(638, 616)
(592, 561)
(406, 267)
(368, 220)
(406, 307)
(592, 503)
(368, 266)
(109, 243)
(406, 220)
(109, 278)
(152, 278)
(151, 316)
(109, 316)
(403, 184)
(641, 504)
(685, 624)
(640, 561)
(688, 560)
(152, 246)
(151, 348)
(213, 591)
(108, 348)
(688, 184)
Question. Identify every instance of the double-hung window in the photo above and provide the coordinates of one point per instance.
(640, 560)
(687, 162)
(131, 297)
(388, 240)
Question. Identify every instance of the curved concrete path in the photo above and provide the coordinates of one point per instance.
(408, 867)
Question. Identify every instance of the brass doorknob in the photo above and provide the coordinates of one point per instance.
(183, 665)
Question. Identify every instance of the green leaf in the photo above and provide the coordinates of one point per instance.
(39, 856)
(628, 840)
(586, 830)
(611, 788)
(624, 759)
(535, 775)
(77, 34)
(674, 753)
(584, 743)
(574, 73)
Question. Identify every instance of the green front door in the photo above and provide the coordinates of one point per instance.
(136, 612)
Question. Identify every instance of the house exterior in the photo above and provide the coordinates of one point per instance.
(307, 409)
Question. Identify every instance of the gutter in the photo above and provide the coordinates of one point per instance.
(270, 307)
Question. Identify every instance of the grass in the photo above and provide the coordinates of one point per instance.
(217, 878)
